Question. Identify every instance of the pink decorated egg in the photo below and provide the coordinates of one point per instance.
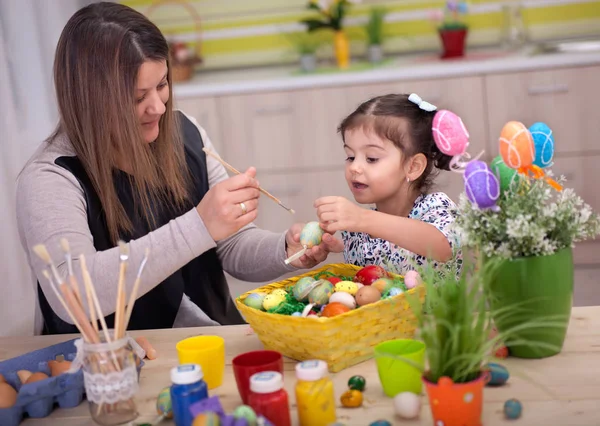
(449, 133)
(412, 279)
(516, 145)
(481, 185)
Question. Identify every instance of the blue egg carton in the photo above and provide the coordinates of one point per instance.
(38, 399)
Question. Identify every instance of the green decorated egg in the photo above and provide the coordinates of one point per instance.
(508, 177)
(272, 300)
(207, 419)
(302, 288)
(321, 293)
(255, 300)
(311, 234)
(163, 403)
(245, 412)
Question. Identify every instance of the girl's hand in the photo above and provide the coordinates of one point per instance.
(314, 255)
(339, 214)
(221, 208)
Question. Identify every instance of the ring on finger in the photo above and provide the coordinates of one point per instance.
(244, 208)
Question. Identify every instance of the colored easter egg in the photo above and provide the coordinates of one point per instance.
(481, 185)
(501, 352)
(302, 288)
(498, 374)
(352, 398)
(407, 405)
(280, 292)
(380, 423)
(507, 177)
(321, 293)
(346, 287)
(543, 141)
(297, 314)
(334, 309)
(412, 279)
(333, 280)
(366, 295)
(383, 284)
(163, 403)
(245, 412)
(255, 300)
(369, 274)
(516, 145)
(395, 291)
(343, 298)
(272, 301)
(357, 383)
(512, 409)
(311, 234)
(207, 419)
(449, 133)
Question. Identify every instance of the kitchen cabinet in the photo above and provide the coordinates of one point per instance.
(204, 110)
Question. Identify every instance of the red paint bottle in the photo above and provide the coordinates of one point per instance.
(268, 397)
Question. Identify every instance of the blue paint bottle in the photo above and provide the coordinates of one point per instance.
(188, 388)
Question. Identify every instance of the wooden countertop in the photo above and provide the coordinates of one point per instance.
(561, 390)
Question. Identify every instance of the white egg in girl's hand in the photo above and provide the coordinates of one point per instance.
(412, 279)
(407, 405)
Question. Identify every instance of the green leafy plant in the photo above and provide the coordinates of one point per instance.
(305, 43)
(534, 220)
(374, 27)
(450, 17)
(331, 14)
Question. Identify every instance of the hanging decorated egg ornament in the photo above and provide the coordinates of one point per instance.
(508, 178)
(518, 151)
(543, 141)
(481, 185)
(452, 138)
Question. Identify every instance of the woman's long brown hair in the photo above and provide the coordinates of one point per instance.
(96, 64)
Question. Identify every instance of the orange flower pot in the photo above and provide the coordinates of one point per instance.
(456, 404)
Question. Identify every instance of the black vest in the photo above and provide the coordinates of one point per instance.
(202, 279)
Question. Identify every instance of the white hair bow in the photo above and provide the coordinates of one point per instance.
(416, 99)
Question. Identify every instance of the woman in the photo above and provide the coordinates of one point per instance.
(122, 165)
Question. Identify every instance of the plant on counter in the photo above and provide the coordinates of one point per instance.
(375, 33)
(331, 16)
(452, 28)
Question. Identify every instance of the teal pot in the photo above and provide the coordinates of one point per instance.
(538, 287)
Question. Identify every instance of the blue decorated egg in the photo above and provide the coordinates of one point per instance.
(395, 291)
(255, 300)
(302, 287)
(163, 403)
(512, 409)
(297, 314)
(321, 293)
(498, 374)
(543, 140)
(311, 234)
(481, 185)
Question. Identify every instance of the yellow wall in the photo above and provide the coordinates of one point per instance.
(256, 32)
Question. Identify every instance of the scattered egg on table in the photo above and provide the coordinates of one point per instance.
(207, 419)
(302, 288)
(357, 383)
(366, 295)
(412, 279)
(512, 409)
(395, 291)
(311, 234)
(380, 423)
(352, 398)
(407, 405)
(383, 284)
(321, 293)
(334, 309)
(255, 300)
(272, 301)
(347, 287)
(245, 412)
(498, 374)
(163, 403)
(343, 298)
(8, 395)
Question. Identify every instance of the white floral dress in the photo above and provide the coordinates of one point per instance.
(437, 209)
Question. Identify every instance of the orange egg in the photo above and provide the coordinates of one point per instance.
(24, 375)
(36, 377)
(333, 309)
(2, 379)
(8, 396)
(58, 367)
(516, 145)
(367, 294)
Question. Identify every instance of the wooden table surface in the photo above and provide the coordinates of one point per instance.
(561, 390)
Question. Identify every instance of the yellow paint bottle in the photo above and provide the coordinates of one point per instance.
(315, 397)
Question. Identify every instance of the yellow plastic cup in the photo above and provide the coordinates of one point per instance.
(206, 351)
(396, 361)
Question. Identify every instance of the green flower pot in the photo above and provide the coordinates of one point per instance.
(539, 287)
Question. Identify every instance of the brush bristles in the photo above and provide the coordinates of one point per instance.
(65, 245)
(42, 253)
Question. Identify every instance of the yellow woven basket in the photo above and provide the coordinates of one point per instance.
(341, 341)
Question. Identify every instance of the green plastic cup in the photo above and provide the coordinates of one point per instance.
(396, 374)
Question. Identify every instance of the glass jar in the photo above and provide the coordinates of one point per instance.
(111, 381)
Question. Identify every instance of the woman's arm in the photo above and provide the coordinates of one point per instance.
(51, 206)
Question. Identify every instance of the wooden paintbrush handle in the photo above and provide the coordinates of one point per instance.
(78, 313)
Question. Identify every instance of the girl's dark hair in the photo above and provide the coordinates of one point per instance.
(414, 136)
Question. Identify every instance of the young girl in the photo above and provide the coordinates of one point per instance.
(391, 157)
